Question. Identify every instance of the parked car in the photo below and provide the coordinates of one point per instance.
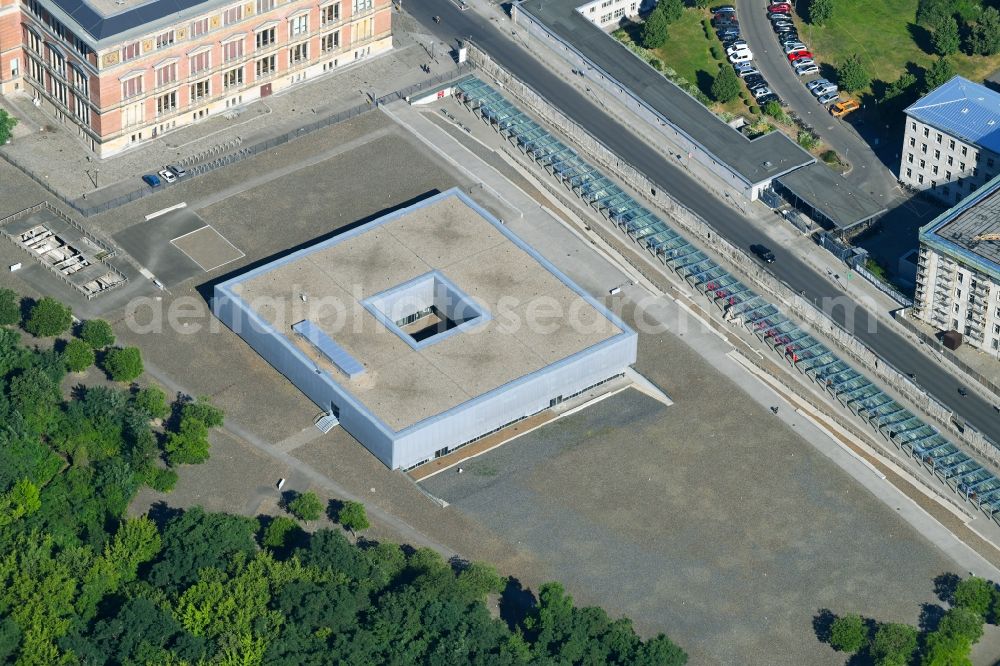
(730, 32)
(829, 97)
(782, 23)
(763, 252)
(802, 62)
(824, 89)
(167, 176)
(762, 92)
(180, 172)
(795, 47)
(841, 109)
(729, 9)
(779, 16)
(738, 42)
(737, 47)
(782, 7)
(786, 29)
(755, 81)
(741, 56)
(151, 180)
(799, 55)
(747, 73)
(743, 66)
(768, 98)
(817, 83)
(725, 23)
(810, 69)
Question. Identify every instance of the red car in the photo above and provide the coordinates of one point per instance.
(780, 8)
(792, 57)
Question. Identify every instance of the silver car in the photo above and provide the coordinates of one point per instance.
(824, 89)
(829, 97)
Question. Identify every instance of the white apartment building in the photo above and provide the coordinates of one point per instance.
(958, 272)
(951, 145)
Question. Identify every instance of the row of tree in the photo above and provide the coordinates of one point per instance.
(81, 583)
(945, 638)
(960, 25)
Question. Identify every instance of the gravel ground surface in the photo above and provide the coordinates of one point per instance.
(710, 520)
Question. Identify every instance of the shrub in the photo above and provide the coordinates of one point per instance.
(161, 480)
(48, 317)
(153, 402)
(306, 506)
(78, 355)
(656, 64)
(716, 52)
(754, 109)
(848, 633)
(773, 109)
(123, 364)
(97, 333)
(830, 157)
(10, 308)
(807, 140)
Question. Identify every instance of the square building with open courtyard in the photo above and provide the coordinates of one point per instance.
(426, 329)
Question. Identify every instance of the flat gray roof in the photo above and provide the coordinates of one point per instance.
(537, 318)
(754, 160)
(832, 196)
(956, 230)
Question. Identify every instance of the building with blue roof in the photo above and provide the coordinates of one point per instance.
(951, 145)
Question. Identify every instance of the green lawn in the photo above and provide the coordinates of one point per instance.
(688, 53)
(884, 34)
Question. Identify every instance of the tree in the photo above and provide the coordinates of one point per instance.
(10, 308)
(189, 445)
(820, 11)
(306, 506)
(97, 333)
(984, 38)
(963, 623)
(48, 317)
(654, 30)
(672, 9)
(21, 500)
(123, 364)
(930, 12)
(848, 633)
(902, 87)
(894, 644)
(726, 86)
(939, 73)
(975, 594)
(204, 411)
(152, 402)
(478, 580)
(853, 74)
(279, 531)
(945, 39)
(352, 516)
(78, 355)
(7, 124)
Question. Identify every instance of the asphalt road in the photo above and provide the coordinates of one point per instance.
(868, 173)
(894, 348)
